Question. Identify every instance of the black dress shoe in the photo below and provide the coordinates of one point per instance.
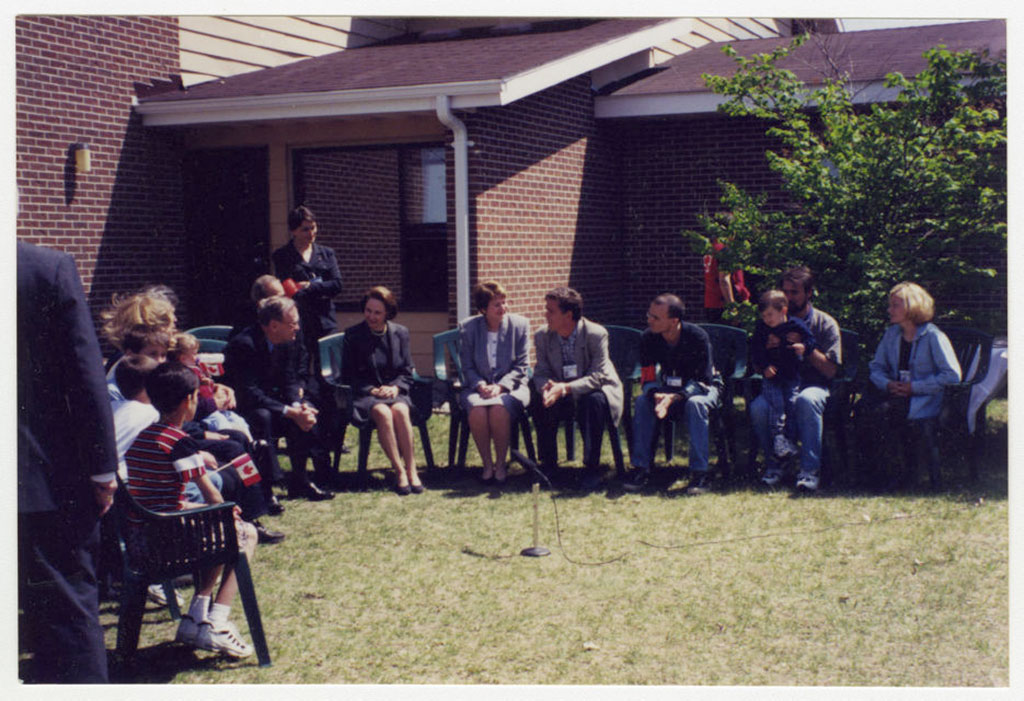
(590, 480)
(636, 480)
(266, 535)
(311, 492)
(700, 483)
(417, 488)
(403, 490)
(274, 507)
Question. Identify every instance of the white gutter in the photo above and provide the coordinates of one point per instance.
(333, 103)
(667, 104)
(461, 146)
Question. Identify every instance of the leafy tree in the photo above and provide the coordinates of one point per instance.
(912, 189)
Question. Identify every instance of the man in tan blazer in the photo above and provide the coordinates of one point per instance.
(574, 376)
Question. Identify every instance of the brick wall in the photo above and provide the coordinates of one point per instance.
(543, 200)
(122, 221)
(670, 172)
(354, 194)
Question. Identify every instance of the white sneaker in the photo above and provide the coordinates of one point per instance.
(155, 593)
(807, 483)
(188, 631)
(784, 448)
(771, 478)
(225, 639)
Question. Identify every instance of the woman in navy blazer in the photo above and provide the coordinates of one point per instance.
(377, 363)
(493, 348)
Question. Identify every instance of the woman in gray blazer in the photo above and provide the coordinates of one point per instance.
(493, 348)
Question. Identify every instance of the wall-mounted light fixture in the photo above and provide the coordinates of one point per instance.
(83, 158)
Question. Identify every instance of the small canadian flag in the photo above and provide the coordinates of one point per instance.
(246, 469)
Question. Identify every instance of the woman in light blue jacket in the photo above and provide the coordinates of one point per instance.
(912, 366)
(494, 348)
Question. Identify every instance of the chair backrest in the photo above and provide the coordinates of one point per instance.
(973, 350)
(729, 347)
(330, 356)
(850, 341)
(624, 350)
(446, 347)
(219, 333)
(180, 542)
(212, 345)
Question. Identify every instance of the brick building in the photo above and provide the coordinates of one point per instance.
(435, 155)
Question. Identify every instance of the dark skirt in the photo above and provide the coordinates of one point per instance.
(362, 406)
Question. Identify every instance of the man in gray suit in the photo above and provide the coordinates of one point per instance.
(574, 377)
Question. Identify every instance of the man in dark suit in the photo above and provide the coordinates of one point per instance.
(269, 371)
(67, 460)
(575, 378)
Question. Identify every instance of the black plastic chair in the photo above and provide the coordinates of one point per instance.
(446, 350)
(173, 544)
(973, 350)
(216, 333)
(420, 396)
(446, 347)
(839, 407)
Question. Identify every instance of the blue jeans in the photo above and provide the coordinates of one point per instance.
(192, 492)
(781, 397)
(695, 410)
(809, 413)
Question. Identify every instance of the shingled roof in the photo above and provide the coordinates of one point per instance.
(416, 64)
(863, 57)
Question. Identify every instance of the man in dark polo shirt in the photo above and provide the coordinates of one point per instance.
(683, 387)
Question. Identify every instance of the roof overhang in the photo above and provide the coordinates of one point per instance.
(407, 98)
(696, 103)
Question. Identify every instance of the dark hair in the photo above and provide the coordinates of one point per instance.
(131, 373)
(674, 304)
(776, 299)
(799, 275)
(273, 309)
(484, 292)
(139, 336)
(168, 384)
(299, 215)
(568, 299)
(384, 296)
(259, 287)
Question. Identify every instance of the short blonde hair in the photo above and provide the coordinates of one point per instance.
(183, 343)
(128, 311)
(919, 304)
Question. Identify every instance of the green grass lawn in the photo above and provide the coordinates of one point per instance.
(739, 587)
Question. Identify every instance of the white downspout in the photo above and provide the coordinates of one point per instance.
(461, 146)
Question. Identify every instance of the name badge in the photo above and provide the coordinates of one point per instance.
(570, 372)
(673, 381)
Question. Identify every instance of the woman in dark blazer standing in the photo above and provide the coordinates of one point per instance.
(314, 270)
(493, 348)
(377, 363)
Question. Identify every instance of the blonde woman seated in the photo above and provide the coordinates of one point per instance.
(377, 363)
(493, 348)
(912, 367)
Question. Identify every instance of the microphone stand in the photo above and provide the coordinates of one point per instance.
(535, 550)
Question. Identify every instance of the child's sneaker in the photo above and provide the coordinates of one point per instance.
(225, 639)
(771, 478)
(784, 448)
(188, 631)
(155, 593)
